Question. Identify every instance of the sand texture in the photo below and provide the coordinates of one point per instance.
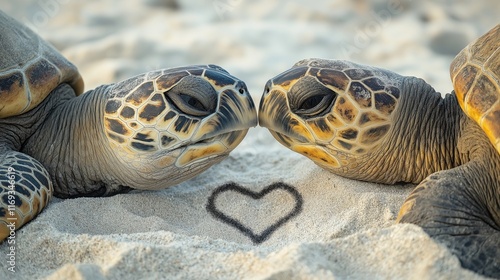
(265, 212)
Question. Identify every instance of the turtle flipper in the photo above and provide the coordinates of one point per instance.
(453, 209)
(25, 189)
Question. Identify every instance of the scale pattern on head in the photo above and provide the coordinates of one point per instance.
(30, 69)
(475, 73)
(330, 110)
(183, 115)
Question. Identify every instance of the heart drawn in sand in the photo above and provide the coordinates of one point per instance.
(264, 235)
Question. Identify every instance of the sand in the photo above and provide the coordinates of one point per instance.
(311, 224)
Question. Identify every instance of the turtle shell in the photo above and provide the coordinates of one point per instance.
(30, 68)
(475, 73)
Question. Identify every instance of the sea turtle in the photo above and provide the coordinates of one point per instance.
(148, 132)
(372, 124)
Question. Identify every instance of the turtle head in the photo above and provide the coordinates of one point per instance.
(171, 124)
(334, 112)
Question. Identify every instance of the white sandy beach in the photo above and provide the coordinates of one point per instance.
(341, 229)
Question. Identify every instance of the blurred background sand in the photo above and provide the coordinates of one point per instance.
(345, 229)
(256, 40)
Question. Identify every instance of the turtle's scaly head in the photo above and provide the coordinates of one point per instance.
(176, 122)
(330, 111)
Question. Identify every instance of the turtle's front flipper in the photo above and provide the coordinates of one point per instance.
(25, 189)
(455, 207)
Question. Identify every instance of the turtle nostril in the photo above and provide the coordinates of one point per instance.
(241, 87)
(267, 87)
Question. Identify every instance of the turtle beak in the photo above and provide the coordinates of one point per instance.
(275, 115)
(220, 133)
(236, 112)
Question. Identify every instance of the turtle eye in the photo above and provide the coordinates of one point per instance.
(311, 102)
(309, 98)
(193, 102)
(315, 105)
(193, 96)
(188, 104)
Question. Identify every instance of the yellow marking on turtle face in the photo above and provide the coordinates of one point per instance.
(298, 127)
(147, 135)
(369, 119)
(342, 145)
(117, 138)
(288, 78)
(166, 119)
(134, 125)
(167, 140)
(335, 121)
(345, 110)
(233, 139)
(153, 110)
(145, 140)
(218, 80)
(317, 154)
(206, 128)
(322, 129)
(117, 126)
(198, 152)
(349, 134)
(183, 127)
(275, 114)
(140, 95)
(273, 107)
